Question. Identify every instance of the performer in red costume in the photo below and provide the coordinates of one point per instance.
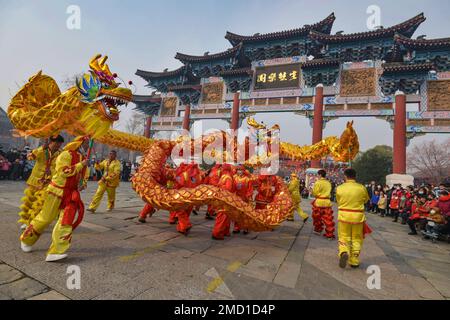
(244, 188)
(189, 176)
(266, 190)
(213, 179)
(167, 178)
(222, 225)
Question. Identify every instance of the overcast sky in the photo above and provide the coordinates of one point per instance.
(146, 35)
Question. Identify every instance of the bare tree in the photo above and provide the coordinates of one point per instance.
(430, 160)
(70, 81)
(135, 124)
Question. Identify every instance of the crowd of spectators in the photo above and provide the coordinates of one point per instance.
(14, 165)
(422, 208)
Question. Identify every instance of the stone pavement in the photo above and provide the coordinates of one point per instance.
(120, 258)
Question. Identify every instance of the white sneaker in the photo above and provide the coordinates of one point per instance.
(55, 257)
(23, 227)
(25, 247)
(109, 210)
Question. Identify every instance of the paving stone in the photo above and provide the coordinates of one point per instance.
(23, 289)
(9, 274)
(424, 288)
(51, 295)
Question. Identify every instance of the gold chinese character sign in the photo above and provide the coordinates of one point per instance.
(284, 76)
(212, 93)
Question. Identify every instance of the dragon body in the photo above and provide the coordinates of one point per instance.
(39, 109)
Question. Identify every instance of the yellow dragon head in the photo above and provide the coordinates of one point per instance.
(99, 85)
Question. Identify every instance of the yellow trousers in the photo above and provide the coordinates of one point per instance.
(303, 215)
(27, 203)
(61, 235)
(111, 191)
(49, 213)
(350, 240)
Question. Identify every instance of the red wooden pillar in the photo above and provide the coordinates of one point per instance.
(399, 165)
(317, 121)
(148, 126)
(234, 126)
(235, 112)
(187, 116)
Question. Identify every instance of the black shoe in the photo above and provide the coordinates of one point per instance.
(343, 260)
(236, 231)
(412, 233)
(305, 220)
(245, 232)
(208, 217)
(142, 220)
(354, 266)
(214, 238)
(195, 212)
(395, 220)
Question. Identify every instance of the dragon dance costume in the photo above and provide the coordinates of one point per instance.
(167, 178)
(351, 197)
(265, 185)
(109, 183)
(213, 179)
(243, 185)
(187, 176)
(63, 202)
(45, 162)
(322, 211)
(223, 222)
(294, 189)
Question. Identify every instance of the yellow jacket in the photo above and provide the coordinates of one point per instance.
(351, 197)
(294, 189)
(111, 173)
(63, 170)
(42, 159)
(322, 189)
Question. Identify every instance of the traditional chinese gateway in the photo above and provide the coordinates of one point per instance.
(313, 73)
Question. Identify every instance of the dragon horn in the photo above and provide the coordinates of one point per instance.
(102, 61)
(93, 64)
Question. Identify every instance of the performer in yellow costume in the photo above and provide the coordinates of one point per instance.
(351, 197)
(109, 182)
(322, 211)
(294, 189)
(62, 202)
(45, 160)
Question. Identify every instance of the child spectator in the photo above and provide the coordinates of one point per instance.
(374, 202)
(382, 203)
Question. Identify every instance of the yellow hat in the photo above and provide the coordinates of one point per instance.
(76, 143)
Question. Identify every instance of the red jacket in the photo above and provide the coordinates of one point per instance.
(444, 205)
(422, 211)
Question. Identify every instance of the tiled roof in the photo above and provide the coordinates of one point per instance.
(399, 67)
(229, 53)
(325, 25)
(151, 75)
(236, 72)
(406, 28)
(422, 43)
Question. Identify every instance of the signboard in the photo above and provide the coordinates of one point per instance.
(284, 76)
(212, 93)
(169, 106)
(439, 95)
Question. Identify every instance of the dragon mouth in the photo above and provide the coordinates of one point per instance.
(110, 106)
